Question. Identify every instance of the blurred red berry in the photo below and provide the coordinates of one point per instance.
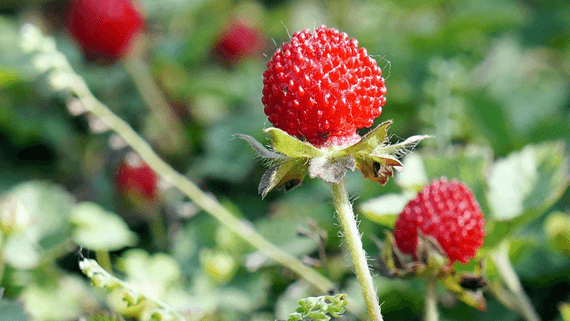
(105, 29)
(323, 87)
(239, 40)
(134, 177)
(448, 212)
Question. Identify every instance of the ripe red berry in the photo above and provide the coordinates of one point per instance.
(323, 87)
(137, 178)
(238, 41)
(104, 28)
(446, 211)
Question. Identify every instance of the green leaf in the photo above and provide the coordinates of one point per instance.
(565, 311)
(385, 209)
(99, 230)
(331, 170)
(288, 176)
(537, 177)
(413, 175)
(291, 146)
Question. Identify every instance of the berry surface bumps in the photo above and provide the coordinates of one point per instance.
(446, 211)
(322, 86)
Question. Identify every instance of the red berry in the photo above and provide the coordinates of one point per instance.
(134, 176)
(448, 212)
(238, 41)
(104, 28)
(323, 87)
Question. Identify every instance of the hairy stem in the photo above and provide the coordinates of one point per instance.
(347, 220)
(509, 276)
(431, 299)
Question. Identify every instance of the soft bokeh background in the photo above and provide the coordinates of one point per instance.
(490, 79)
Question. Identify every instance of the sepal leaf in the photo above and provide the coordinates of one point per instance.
(291, 146)
(287, 176)
(261, 151)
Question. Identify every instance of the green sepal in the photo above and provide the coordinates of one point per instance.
(373, 139)
(286, 176)
(329, 169)
(291, 146)
(261, 151)
(467, 287)
(374, 170)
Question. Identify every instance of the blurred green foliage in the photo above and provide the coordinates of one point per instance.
(489, 79)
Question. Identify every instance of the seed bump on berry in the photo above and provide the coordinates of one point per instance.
(322, 87)
(446, 211)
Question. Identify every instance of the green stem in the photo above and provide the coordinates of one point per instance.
(509, 276)
(348, 224)
(431, 299)
(172, 128)
(207, 202)
(2, 263)
(158, 232)
(104, 260)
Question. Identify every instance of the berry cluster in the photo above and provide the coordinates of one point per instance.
(446, 211)
(104, 28)
(323, 87)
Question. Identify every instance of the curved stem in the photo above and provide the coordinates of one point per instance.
(172, 128)
(63, 77)
(508, 274)
(104, 260)
(431, 299)
(348, 223)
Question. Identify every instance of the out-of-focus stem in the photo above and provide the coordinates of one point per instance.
(172, 128)
(104, 260)
(509, 276)
(63, 77)
(350, 229)
(431, 299)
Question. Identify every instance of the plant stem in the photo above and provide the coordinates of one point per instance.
(431, 299)
(104, 260)
(347, 220)
(172, 128)
(509, 276)
(207, 202)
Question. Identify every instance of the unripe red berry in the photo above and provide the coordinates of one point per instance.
(134, 177)
(105, 29)
(323, 87)
(446, 211)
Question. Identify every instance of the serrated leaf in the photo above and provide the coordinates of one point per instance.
(263, 152)
(371, 140)
(385, 209)
(291, 146)
(288, 176)
(543, 178)
(100, 230)
(331, 170)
